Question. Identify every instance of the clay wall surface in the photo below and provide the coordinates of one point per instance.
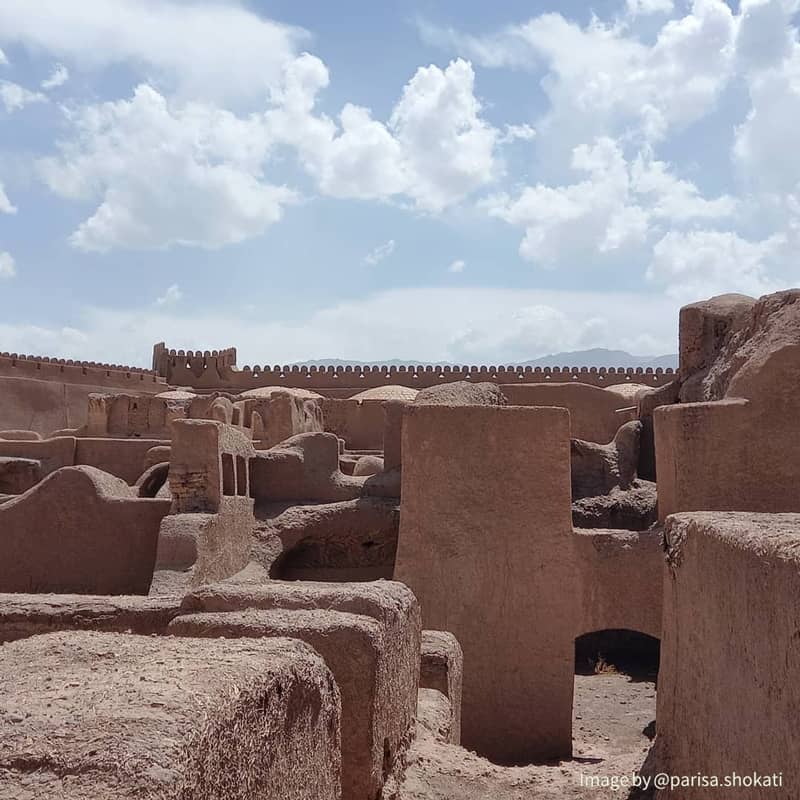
(731, 443)
(594, 413)
(208, 461)
(79, 530)
(360, 629)
(727, 455)
(621, 575)
(112, 716)
(208, 371)
(46, 395)
(486, 544)
(124, 458)
(51, 453)
(23, 615)
(728, 697)
(359, 423)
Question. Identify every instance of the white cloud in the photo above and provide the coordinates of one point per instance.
(6, 206)
(704, 263)
(435, 148)
(211, 50)
(3, 59)
(602, 79)
(165, 174)
(471, 325)
(457, 266)
(642, 7)
(513, 133)
(172, 295)
(58, 77)
(618, 204)
(765, 36)
(15, 97)
(765, 147)
(381, 252)
(8, 268)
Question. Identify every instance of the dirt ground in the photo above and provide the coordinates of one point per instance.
(611, 713)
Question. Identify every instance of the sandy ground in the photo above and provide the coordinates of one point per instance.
(611, 713)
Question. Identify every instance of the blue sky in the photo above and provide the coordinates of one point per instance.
(456, 181)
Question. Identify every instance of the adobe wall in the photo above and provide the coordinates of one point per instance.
(121, 457)
(727, 455)
(359, 422)
(79, 531)
(217, 370)
(112, 716)
(728, 696)
(486, 544)
(46, 395)
(593, 412)
(44, 406)
(621, 575)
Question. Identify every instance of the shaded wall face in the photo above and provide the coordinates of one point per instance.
(360, 424)
(486, 545)
(730, 455)
(594, 412)
(44, 406)
(728, 697)
(67, 535)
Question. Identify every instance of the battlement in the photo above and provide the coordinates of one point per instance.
(217, 370)
(117, 376)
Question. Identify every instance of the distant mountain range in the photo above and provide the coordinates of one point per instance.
(596, 357)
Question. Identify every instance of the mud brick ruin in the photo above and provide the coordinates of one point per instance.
(361, 583)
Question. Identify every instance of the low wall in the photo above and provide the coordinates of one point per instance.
(593, 412)
(359, 423)
(109, 715)
(621, 575)
(728, 695)
(79, 531)
(728, 455)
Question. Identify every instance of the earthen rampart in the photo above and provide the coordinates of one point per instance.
(217, 370)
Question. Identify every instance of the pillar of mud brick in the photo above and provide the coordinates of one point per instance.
(392, 428)
(486, 545)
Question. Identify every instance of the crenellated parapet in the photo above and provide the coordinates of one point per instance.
(217, 370)
(67, 370)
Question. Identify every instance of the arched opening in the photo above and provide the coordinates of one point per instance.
(614, 706)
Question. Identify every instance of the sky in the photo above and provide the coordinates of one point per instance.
(462, 181)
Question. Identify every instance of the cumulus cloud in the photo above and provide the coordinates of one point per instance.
(15, 97)
(172, 295)
(170, 172)
(765, 146)
(6, 207)
(619, 203)
(457, 266)
(642, 7)
(435, 148)
(703, 263)
(214, 51)
(602, 79)
(8, 268)
(58, 77)
(166, 173)
(381, 252)
(514, 133)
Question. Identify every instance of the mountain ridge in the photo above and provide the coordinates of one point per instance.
(594, 357)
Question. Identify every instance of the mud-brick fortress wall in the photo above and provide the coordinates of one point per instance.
(47, 394)
(217, 371)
